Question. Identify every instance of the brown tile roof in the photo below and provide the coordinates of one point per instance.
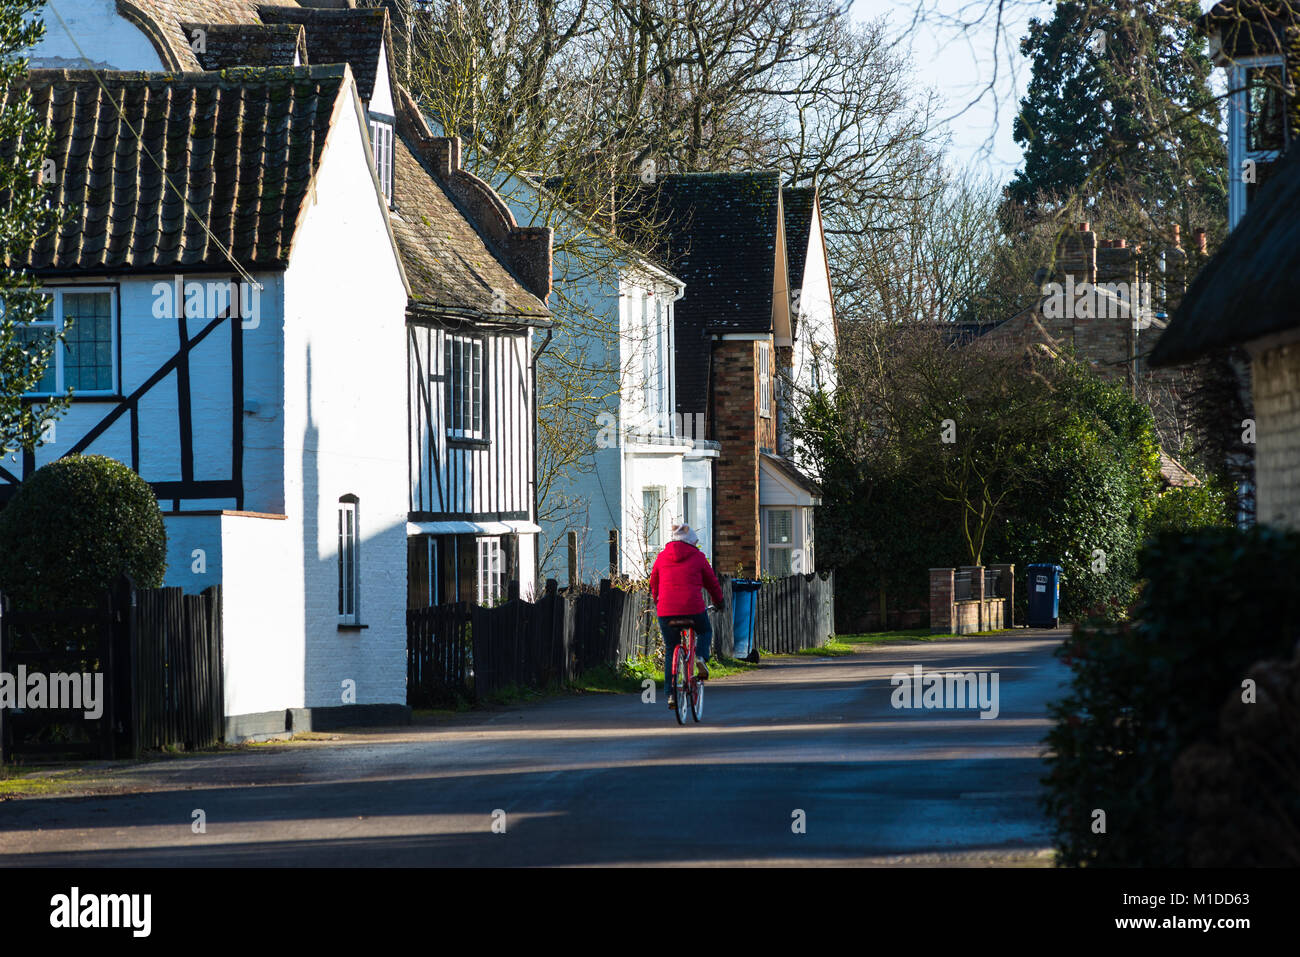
(1174, 473)
(351, 36)
(452, 266)
(240, 147)
(226, 45)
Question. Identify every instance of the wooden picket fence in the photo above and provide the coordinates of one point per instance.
(159, 652)
(470, 652)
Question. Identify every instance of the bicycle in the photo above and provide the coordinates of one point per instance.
(688, 689)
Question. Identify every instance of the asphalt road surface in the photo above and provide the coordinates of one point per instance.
(804, 761)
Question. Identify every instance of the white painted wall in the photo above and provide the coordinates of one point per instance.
(345, 424)
(146, 341)
(381, 97)
(105, 38)
(609, 487)
(262, 615)
(815, 325)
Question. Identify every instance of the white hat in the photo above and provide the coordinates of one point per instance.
(683, 533)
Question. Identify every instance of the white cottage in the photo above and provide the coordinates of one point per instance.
(214, 332)
(448, 418)
(639, 468)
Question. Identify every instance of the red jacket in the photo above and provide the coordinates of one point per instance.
(679, 573)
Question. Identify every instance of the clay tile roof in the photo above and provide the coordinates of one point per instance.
(1173, 473)
(346, 35)
(228, 45)
(240, 147)
(449, 264)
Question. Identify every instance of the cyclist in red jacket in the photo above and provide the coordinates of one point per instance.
(679, 573)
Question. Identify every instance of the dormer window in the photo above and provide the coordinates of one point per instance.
(381, 144)
(1258, 129)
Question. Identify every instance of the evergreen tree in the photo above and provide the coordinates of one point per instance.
(1119, 102)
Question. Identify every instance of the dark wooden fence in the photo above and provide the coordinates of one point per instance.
(795, 613)
(467, 651)
(159, 654)
(178, 696)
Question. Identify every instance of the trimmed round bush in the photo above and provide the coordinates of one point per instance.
(74, 526)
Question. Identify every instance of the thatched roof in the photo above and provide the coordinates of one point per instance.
(1251, 288)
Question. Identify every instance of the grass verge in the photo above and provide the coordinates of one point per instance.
(910, 634)
(630, 675)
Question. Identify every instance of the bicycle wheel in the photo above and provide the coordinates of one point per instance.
(681, 686)
(697, 700)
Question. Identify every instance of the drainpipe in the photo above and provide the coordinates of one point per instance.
(532, 478)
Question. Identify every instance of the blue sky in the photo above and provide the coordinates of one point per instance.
(961, 65)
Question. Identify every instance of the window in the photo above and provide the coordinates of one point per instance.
(1265, 109)
(764, 380)
(490, 570)
(381, 144)
(688, 507)
(349, 611)
(652, 502)
(87, 361)
(663, 353)
(780, 542)
(1258, 127)
(465, 389)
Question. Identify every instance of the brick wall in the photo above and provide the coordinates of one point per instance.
(1276, 374)
(941, 603)
(739, 430)
(983, 611)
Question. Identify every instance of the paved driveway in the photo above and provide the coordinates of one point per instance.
(608, 779)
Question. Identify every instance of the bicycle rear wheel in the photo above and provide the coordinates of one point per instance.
(681, 684)
(697, 700)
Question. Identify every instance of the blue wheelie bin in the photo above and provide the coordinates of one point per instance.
(744, 602)
(1044, 596)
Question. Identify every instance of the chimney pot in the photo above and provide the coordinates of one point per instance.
(1083, 227)
(1199, 233)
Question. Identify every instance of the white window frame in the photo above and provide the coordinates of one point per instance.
(58, 324)
(653, 523)
(690, 499)
(1239, 119)
(764, 380)
(349, 548)
(770, 547)
(490, 574)
(649, 355)
(472, 391)
(381, 144)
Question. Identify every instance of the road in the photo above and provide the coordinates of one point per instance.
(608, 779)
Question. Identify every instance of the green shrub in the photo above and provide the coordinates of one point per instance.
(1189, 508)
(1215, 602)
(73, 527)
